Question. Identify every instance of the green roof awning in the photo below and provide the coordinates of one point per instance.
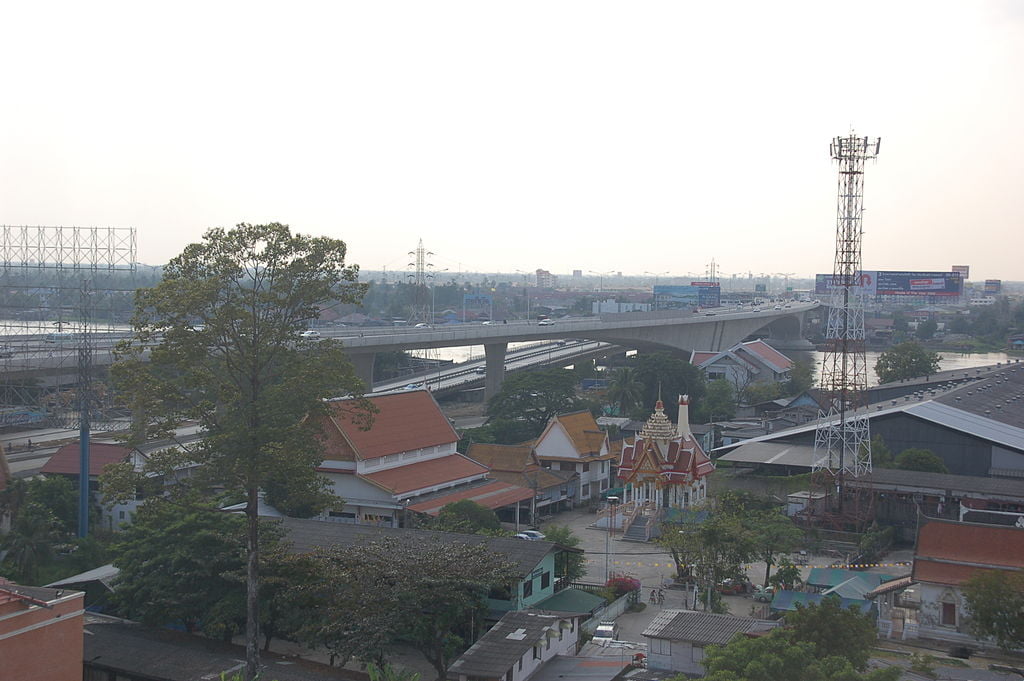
(571, 600)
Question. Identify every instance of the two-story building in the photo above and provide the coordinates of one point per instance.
(406, 461)
(573, 443)
(40, 632)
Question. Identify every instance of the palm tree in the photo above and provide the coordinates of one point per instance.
(625, 389)
(30, 542)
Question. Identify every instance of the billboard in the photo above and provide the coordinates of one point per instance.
(882, 283)
(760, 288)
(993, 286)
(697, 294)
(963, 270)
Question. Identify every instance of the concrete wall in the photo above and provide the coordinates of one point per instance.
(42, 644)
(677, 656)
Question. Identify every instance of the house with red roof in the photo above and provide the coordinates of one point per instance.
(405, 462)
(65, 462)
(663, 471)
(744, 364)
(554, 490)
(948, 554)
(574, 443)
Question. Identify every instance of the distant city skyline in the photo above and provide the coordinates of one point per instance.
(634, 138)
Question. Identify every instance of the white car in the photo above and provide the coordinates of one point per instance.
(546, 322)
(531, 535)
(310, 333)
(413, 386)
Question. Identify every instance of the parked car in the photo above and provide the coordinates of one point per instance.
(606, 632)
(531, 535)
(763, 595)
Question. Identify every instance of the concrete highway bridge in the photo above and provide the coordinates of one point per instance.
(665, 330)
(669, 330)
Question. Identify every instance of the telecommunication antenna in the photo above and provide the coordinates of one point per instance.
(842, 441)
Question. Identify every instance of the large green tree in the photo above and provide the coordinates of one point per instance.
(468, 517)
(834, 631)
(709, 550)
(534, 397)
(222, 335)
(996, 600)
(432, 594)
(773, 533)
(719, 400)
(917, 459)
(668, 376)
(175, 564)
(780, 656)
(568, 564)
(906, 360)
(625, 390)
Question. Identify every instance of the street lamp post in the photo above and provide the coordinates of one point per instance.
(612, 517)
(600, 278)
(656, 275)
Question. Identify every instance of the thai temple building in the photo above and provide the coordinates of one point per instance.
(665, 467)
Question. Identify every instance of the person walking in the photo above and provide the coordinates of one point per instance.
(661, 597)
(654, 597)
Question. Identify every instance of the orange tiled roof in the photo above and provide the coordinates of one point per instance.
(514, 458)
(447, 469)
(951, 552)
(492, 495)
(405, 421)
(582, 429)
(65, 460)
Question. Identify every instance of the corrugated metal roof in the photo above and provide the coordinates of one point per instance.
(967, 422)
(778, 453)
(497, 651)
(702, 627)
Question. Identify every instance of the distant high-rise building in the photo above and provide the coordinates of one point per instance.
(545, 279)
(577, 274)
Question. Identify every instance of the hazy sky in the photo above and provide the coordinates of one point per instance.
(632, 136)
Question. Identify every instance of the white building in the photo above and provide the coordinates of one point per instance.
(573, 442)
(517, 646)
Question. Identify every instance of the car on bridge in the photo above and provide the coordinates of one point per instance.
(546, 322)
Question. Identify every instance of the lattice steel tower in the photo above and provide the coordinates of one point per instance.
(420, 277)
(842, 442)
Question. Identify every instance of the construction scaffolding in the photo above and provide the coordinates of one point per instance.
(66, 294)
(843, 437)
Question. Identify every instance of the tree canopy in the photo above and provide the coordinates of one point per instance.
(667, 376)
(431, 595)
(996, 600)
(820, 642)
(924, 460)
(719, 400)
(468, 517)
(222, 335)
(534, 397)
(906, 360)
(567, 563)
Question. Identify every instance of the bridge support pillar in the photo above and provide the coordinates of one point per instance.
(363, 365)
(494, 355)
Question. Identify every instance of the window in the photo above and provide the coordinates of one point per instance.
(545, 580)
(949, 614)
(536, 653)
(566, 466)
(585, 490)
(604, 467)
(120, 515)
(661, 646)
(527, 588)
(586, 468)
(508, 675)
(547, 642)
(521, 663)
